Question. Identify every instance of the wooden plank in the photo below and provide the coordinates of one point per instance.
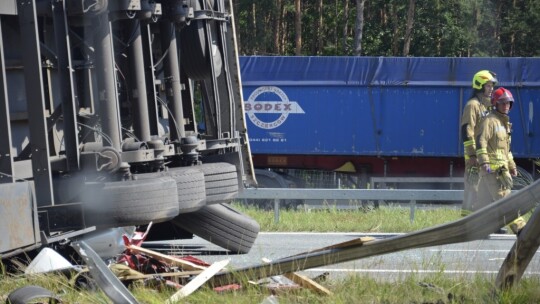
(163, 275)
(520, 255)
(307, 283)
(198, 281)
(185, 265)
(301, 280)
(354, 242)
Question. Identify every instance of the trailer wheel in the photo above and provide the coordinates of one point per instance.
(28, 294)
(221, 225)
(190, 185)
(221, 182)
(130, 203)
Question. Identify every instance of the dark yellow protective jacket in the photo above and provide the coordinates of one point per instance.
(493, 142)
(473, 114)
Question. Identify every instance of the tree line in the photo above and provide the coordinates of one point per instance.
(430, 28)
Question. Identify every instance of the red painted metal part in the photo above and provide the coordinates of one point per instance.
(372, 166)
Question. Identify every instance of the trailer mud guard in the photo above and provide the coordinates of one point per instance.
(19, 222)
(26, 294)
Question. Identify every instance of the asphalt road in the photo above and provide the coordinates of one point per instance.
(468, 259)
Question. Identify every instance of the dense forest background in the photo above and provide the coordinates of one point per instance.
(432, 28)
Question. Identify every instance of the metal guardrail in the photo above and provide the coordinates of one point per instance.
(411, 195)
(360, 194)
(413, 180)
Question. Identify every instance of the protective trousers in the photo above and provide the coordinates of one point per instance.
(490, 190)
(470, 192)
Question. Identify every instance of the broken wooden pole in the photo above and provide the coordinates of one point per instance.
(520, 255)
(307, 283)
(302, 281)
(476, 225)
(198, 281)
(347, 244)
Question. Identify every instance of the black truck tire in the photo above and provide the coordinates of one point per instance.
(221, 182)
(190, 185)
(221, 225)
(130, 203)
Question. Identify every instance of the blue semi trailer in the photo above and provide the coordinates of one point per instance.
(376, 116)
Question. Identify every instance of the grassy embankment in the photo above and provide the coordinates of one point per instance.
(385, 219)
(433, 288)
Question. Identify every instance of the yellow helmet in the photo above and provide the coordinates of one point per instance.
(481, 77)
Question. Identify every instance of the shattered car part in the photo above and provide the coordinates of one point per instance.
(103, 276)
(46, 261)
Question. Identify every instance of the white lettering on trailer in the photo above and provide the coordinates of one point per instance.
(283, 106)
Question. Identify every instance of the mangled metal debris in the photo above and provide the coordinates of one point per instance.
(105, 279)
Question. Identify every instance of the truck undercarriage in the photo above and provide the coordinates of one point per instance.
(120, 113)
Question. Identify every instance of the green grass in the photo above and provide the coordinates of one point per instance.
(383, 219)
(57, 283)
(434, 288)
(411, 288)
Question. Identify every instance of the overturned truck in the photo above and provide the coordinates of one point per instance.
(120, 114)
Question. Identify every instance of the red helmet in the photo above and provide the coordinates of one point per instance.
(502, 95)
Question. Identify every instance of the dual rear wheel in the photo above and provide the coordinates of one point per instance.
(192, 198)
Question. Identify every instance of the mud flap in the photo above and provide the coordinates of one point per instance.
(26, 294)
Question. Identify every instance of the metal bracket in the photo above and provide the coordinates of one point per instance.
(211, 15)
(62, 217)
(125, 5)
(138, 156)
(64, 236)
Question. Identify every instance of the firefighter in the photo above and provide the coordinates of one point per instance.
(474, 112)
(494, 156)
